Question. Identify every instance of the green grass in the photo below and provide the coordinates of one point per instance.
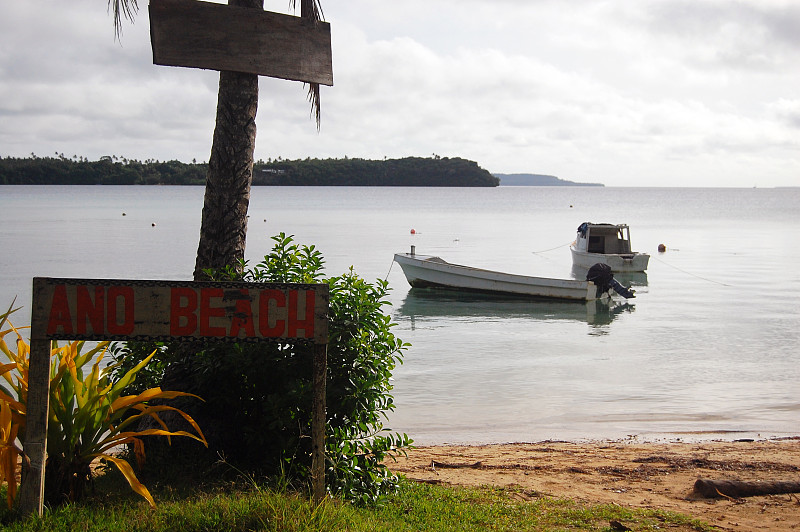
(246, 507)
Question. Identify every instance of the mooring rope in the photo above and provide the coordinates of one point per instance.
(390, 271)
(692, 274)
(551, 249)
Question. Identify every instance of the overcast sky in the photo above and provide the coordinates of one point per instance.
(622, 92)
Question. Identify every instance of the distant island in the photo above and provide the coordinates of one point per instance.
(539, 180)
(112, 170)
(407, 172)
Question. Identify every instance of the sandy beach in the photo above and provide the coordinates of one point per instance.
(628, 473)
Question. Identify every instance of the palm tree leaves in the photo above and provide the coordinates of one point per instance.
(122, 9)
(312, 10)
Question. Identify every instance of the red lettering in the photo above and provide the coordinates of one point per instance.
(268, 303)
(180, 312)
(295, 323)
(59, 312)
(114, 325)
(91, 311)
(243, 318)
(207, 312)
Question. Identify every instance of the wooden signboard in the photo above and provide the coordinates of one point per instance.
(87, 309)
(196, 34)
(84, 309)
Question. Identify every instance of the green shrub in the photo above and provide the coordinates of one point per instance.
(257, 412)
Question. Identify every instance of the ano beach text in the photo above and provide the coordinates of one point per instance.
(162, 310)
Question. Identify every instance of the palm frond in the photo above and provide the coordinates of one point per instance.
(122, 9)
(313, 97)
(312, 10)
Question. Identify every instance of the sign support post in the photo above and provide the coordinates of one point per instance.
(320, 371)
(31, 493)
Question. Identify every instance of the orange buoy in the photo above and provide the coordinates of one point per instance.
(662, 248)
(413, 232)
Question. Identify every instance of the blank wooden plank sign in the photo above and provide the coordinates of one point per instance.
(190, 33)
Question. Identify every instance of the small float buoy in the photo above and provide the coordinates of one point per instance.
(662, 248)
(413, 232)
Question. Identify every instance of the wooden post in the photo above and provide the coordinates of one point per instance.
(320, 368)
(31, 493)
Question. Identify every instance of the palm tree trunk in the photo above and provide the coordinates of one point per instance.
(223, 227)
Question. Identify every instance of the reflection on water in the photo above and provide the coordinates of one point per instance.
(424, 303)
(624, 278)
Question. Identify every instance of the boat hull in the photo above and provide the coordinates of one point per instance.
(619, 263)
(424, 271)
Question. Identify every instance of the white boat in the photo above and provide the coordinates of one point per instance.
(424, 271)
(607, 244)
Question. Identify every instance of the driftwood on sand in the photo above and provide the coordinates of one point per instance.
(737, 489)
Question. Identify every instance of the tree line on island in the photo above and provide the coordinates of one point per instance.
(113, 170)
(432, 171)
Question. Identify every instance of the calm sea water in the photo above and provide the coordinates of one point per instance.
(708, 349)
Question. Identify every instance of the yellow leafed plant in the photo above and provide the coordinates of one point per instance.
(88, 418)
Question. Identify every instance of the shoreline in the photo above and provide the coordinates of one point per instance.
(632, 473)
(698, 436)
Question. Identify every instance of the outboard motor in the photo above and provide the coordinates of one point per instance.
(600, 274)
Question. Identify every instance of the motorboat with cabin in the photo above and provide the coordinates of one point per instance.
(607, 244)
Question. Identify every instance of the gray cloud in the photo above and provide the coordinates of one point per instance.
(627, 93)
(743, 35)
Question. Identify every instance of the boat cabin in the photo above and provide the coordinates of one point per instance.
(608, 239)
